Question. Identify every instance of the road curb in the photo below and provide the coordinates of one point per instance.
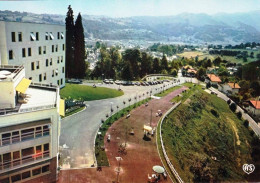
(173, 170)
(75, 113)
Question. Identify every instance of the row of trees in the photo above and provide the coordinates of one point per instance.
(75, 46)
(131, 64)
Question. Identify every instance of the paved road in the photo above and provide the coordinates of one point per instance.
(252, 123)
(78, 131)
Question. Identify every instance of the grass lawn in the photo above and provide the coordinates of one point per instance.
(207, 146)
(88, 93)
(166, 92)
(190, 54)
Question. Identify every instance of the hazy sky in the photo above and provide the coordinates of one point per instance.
(124, 8)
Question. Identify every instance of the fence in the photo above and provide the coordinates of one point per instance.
(173, 170)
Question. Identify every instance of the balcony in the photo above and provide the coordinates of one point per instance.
(13, 137)
(7, 164)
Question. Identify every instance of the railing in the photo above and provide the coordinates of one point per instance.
(29, 109)
(170, 165)
(9, 164)
(24, 136)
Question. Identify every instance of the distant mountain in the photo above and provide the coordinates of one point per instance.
(185, 27)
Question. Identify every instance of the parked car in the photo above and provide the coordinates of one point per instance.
(75, 81)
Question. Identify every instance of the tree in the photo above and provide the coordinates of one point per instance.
(174, 72)
(164, 63)
(201, 72)
(79, 52)
(233, 107)
(255, 86)
(70, 40)
(156, 66)
(127, 73)
(145, 64)
(217, 61)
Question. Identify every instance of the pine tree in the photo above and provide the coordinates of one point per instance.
(164, 64)
(70, 43)
(79, 53)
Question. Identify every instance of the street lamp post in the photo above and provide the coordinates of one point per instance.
(111, 109)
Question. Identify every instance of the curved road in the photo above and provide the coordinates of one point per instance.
(78, 131)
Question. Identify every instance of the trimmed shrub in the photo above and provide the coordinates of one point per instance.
(233, 107)
(239, 115)
(246, 123)
(229, 101)
(214, 112)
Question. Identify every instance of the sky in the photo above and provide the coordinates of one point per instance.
(126, 8)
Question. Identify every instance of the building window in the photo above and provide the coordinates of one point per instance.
(37, 36)
(45, 168)
(56, 72)
(30, 78)
(51, 61)
(63, 47)
(23, 52)
(44, 76)
(61, 60)
(40, 77)
(27, 154)
(52, 73)
(63, 69)
(20, 37)
(11, 54)
(51, 36)
(61, 81)
(38, 65)
(58, 35)
(61, 35)
(32, 36)
(56, 48)
(13, 36)
(36, 171)
(44, 49)
(40, 50)
(16, 178)
(52, 48)
(47, 62)
(58, 60)
(58, 82)
(32, 66)
(46, 36)
(26, 175)
(29, 52)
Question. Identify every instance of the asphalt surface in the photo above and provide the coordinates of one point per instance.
(78, 131)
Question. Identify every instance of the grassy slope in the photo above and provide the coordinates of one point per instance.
(88, 93)
(193, 135)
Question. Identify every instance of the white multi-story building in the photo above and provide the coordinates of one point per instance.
(39, 47)
(29, 128)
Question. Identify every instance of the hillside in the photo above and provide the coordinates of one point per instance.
(207, 142)
(185, 27)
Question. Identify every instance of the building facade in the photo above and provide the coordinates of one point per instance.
(39, 47)
(29, 128)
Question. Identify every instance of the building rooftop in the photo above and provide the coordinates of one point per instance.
(36, 96)
(234, 85)
(256, 104)
(20, 95)
(214, 78)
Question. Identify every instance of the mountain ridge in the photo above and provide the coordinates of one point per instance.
(184, 27)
